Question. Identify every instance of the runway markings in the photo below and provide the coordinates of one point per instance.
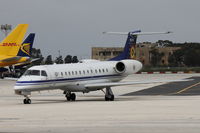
(187, 88)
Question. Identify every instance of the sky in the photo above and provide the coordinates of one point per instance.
(74, 26)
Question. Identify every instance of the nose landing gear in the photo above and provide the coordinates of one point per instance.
(27, 100)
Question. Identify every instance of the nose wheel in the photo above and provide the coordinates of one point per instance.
(70, 96)
(27, 100)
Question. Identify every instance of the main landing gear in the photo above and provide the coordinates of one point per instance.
(27, 100)
(70, 96)
(109, 96)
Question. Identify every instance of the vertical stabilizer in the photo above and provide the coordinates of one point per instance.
(26, 47)
(129, 51)
(11, 44)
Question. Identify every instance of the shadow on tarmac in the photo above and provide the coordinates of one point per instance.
(186, 88)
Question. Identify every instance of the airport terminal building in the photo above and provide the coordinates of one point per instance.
(143, 52)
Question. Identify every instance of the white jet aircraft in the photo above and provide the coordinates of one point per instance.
(85, 76)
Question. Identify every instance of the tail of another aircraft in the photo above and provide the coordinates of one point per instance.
(11, 44)
(26, 47)
(130, 46)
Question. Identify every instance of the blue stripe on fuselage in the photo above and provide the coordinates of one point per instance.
(39, 82)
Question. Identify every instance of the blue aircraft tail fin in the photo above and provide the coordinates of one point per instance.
(26, 47)
(129, 51)
(129, 48)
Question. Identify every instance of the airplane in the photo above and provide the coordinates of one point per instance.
(21, 58)
(87, 75)
(10, 46)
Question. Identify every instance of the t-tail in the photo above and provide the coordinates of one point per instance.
(11, 44)
(26, 47)
(129, 51)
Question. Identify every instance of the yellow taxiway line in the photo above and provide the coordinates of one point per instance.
(187, 88)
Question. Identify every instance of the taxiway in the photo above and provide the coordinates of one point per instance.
(131, 111)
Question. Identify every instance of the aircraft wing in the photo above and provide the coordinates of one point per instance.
(15, 58)
(27, 62)
(111, 84)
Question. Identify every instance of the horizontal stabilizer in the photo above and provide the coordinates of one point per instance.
(137, 33)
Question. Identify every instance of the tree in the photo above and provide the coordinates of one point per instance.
(162, 43)
(36, 54)
(188, 55)
(68, 59)
(177, 58)
(59, 60)
(75, 59)
(191, 54)
(49, 60)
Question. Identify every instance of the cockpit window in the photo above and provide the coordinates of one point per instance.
(43, 73)
(32, 72)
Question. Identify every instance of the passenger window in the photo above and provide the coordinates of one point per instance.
(66, 73)
(69, 73)
(35, 72)
(80, 72)
(95, 71)
(106, 70)
(88, 71)
(99, 70)
(76, 72)
(103, 70)
(61, 74)
(91, 71)
(83, 72)
(43, 73)
(72, 72)
(56, 74)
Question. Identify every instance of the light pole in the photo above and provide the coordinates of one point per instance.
(5, 28)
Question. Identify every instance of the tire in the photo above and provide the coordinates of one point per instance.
(28, 101)
(25, 101)
(68, 98)
(106, 98)
(73, 96)
(112, 98)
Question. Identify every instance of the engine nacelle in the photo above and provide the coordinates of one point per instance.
(128, 66)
